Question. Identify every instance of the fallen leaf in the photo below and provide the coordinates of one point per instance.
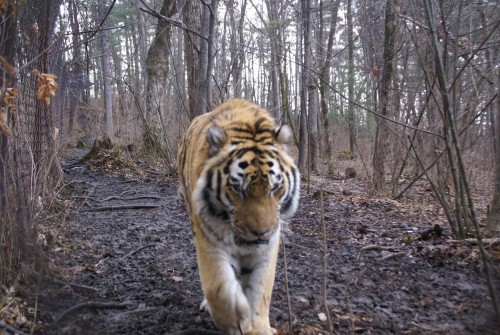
(322, 317)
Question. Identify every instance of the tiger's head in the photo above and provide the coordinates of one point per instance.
(249, 181)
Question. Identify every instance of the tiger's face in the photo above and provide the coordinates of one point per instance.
(253, 189)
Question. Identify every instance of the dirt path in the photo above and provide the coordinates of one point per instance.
(136, 269)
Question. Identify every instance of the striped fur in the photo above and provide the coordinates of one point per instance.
(237, 182)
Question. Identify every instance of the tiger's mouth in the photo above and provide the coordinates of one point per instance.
(238, 240)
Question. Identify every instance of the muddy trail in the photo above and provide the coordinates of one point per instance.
(124, 263)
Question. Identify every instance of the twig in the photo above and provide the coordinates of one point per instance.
(78, 287)
(120, 207)
(393, 255)
(302, 247)
(285, 271)
(176, 23)
(137, 250)
(92, 305)
(325, 253)
(11, 330)
(7, 306)
(116, 197)
(489, 241)
(373, 247)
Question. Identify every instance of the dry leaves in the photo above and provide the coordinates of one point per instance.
(46, 86)
(9, 95)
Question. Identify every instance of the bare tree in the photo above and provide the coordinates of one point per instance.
(8, 39)
(203, 98)
(157, 66)
(326, 53)
(382, 133)
(305, 73)
(493, 220)
(351, 119)
(106, 79)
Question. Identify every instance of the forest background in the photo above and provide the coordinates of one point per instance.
(408, 89)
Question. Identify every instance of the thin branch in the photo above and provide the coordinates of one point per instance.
(96, 30)
(120, 207)
(176, 23)
(103, 20)
(10, 329)
(471, 57)
(137, 250)
(77, 287)
(92, 305)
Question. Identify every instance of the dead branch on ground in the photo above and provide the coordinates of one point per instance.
(120, 207)
(137, 250)
(10, 329)
(77, 287)
(91, 305)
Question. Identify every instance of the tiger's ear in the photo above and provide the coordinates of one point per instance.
(216, 137)
(283, 134)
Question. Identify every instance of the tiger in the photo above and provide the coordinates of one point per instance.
(238, 182)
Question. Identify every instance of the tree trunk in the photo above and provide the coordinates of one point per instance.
(240, 58)
(493, 220)
(203, 99)
(303, 136)
(192, 18)
(350, 79)
(382, 133)
(273, 33)
(325, 81)
(107, 85)
(312, 96)
(7, 50)
(157, 65)
(76, 90)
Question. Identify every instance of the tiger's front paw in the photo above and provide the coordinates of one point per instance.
(230, 310)
(265, 331)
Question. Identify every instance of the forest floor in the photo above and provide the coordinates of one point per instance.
(123, 262)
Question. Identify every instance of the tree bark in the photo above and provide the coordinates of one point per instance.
(382, 133)
(303, 136)
(192, 19)
(157, 65)
(77, 88)
(350, 79)
(273, 32)
(7, 50)
(312, 96)
(493, 219)
(203, 100)
(326, 54)
(106, 79)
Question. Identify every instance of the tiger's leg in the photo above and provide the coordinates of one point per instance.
(258, 279)
(226, 302)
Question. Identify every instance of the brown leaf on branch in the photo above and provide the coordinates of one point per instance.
(46, 86)
(8, 102)
(3, 122)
